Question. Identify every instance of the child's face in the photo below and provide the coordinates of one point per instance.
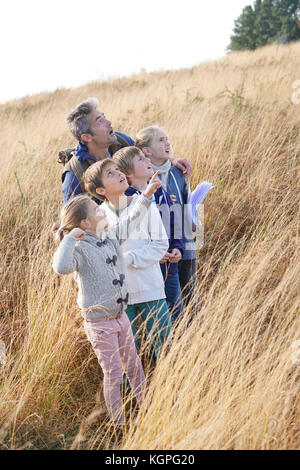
(160, 148)
(114, 182)
(142, 167)
(96, 220)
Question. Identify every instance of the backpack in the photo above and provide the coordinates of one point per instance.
(67, 158)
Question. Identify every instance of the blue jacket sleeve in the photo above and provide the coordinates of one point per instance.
(70, 186)
(173, 242)
(185, 192)
(126, 137)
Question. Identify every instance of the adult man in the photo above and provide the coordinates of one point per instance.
(96, 141)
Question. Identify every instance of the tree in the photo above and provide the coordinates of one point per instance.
(244, 34)
(264, 26)
(267, 21)
(288, 12)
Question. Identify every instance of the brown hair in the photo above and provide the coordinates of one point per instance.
(123, 159)
(72, 214)
(92, 178)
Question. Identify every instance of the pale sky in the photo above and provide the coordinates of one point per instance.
(67, 43)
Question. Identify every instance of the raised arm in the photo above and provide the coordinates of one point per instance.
(127, 225)
(65, 260)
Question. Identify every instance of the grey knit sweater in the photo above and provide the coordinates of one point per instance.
(97, 264)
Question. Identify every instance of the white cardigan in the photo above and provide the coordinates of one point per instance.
(142, 252)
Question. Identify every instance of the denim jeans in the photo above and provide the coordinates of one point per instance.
(157, 320)
(174, 297)
(187, 279)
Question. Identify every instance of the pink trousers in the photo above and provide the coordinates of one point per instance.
(113, 343)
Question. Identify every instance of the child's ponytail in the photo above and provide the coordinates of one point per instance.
(57, 232)
(72, 214)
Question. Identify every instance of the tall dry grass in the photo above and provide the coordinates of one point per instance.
(231, 379)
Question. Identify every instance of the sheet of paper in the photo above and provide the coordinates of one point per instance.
(197, 196)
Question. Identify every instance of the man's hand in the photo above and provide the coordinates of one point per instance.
(153, 185)
(173, 198)
(182, 164)
(175, 256)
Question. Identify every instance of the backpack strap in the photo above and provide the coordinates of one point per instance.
(78, 168)
(121, 142)
(68, 158)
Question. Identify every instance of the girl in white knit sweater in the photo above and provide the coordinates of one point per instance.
(92, 251)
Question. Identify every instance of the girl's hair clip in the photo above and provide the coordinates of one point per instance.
(56, 228)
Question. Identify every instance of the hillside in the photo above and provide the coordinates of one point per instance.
(231, 380)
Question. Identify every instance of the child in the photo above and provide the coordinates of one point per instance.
(138, 170)
(142, 253)
(154, 143)
(93, 252)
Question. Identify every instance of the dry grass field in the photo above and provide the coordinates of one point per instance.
(231, 379)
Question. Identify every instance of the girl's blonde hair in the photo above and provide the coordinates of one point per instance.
(72, 214)
(144, 136)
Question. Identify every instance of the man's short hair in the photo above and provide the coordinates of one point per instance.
(77, 118)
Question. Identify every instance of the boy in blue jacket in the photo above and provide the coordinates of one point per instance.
(155, 145)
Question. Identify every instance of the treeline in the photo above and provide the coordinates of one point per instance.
(266, 22)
